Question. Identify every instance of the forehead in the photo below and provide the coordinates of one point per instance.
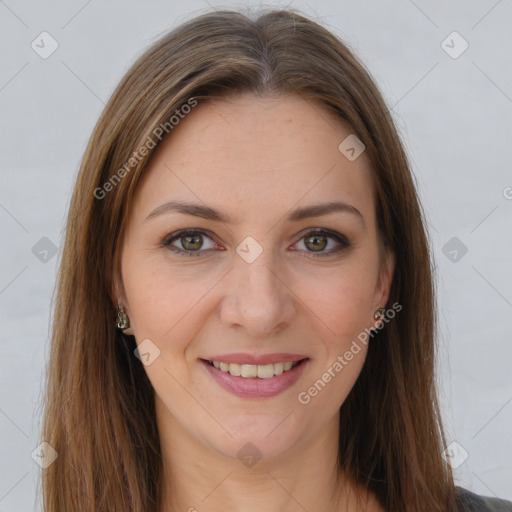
(249, 153)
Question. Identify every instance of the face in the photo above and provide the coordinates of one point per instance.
(252, 274)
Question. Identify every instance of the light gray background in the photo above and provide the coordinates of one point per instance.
(454, 115)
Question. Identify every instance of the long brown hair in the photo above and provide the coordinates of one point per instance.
(99, 405)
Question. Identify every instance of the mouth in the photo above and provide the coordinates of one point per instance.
(255, 380)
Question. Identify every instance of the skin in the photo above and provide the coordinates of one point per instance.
(254, 158)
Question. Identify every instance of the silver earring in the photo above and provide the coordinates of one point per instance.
(379, 313)
(123, 322)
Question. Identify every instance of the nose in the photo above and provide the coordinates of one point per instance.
(258, 300)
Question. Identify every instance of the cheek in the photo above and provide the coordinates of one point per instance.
(341, 308)
(342, 301)
(164, 299)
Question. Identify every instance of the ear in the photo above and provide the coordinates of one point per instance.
(385, 280)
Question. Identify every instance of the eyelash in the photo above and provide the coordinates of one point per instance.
(341, 239)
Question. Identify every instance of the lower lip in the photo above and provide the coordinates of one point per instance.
(256, 387)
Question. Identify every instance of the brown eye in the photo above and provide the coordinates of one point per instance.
(315, 242)
(323, 242)
(191, 242)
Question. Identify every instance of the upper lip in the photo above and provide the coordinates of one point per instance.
(240, 358)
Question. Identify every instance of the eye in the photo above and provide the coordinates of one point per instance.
(191, 242)
(188, 242)
(316, 241)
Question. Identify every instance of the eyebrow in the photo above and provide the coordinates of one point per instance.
(205, 212)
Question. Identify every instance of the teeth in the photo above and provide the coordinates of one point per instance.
(278, 368)
(251, 371)
(235, 369)
(265, 371)
(248, 370)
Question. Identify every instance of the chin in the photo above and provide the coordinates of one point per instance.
(257, 436)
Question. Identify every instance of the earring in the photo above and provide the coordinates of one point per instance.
(379, 313)
(123, 322)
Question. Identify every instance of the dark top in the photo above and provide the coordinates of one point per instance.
(470, 502)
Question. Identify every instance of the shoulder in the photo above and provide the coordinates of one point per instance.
(468, 501)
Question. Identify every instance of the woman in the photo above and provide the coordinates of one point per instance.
(246, 209)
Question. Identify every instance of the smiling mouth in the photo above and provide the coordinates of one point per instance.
(254, 371)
